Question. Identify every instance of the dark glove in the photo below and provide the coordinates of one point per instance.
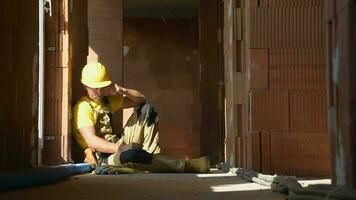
(112, 170)
(147, 111)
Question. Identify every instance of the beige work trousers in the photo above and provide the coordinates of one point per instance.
(138, 132)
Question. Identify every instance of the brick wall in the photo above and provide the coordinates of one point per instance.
(279, 86)
(162, 63)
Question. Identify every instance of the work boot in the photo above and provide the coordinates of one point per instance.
(198, 165)
(160, 164)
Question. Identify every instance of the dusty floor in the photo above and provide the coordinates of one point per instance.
(148, 186)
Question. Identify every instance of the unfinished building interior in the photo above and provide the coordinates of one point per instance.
(265, 85)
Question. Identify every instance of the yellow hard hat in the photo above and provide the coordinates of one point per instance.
(94, 75)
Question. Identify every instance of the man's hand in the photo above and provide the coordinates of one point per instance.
(90, 156)
(114, 89)
(110, 90)
(120, 90)
(133, 145)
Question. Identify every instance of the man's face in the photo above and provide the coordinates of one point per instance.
(95, 93)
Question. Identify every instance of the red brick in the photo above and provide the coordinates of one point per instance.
(173, 138)
(256, 151)
(330, 9)
(308, 111)
(295, 68)
(259, 68)
(300, 154)
(269, 110)
(240, 152)
(266, 152)
(292, 29)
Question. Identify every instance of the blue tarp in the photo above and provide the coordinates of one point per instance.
(40, 176)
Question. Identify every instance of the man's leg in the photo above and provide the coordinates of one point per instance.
(144, 161)
(142, 128)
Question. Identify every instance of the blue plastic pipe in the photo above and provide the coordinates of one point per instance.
(40, 176)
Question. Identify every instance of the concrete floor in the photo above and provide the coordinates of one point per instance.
(149, 186)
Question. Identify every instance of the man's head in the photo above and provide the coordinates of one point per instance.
(95, 78)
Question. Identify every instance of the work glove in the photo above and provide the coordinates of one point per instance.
(112, 170)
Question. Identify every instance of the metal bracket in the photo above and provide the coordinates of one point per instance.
(220, 83)
(51, 48)
(49, 137)
(48, 8)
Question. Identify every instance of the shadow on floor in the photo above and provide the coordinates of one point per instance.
(148, 186)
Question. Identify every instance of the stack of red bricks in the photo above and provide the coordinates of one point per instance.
(287, 87)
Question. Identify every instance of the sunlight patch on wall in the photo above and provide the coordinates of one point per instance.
(93, 56)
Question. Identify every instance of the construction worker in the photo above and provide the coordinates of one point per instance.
(137, 148)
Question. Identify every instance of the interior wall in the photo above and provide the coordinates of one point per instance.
(162, 63)
(18, 84)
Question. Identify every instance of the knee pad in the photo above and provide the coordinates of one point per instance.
(136, 156)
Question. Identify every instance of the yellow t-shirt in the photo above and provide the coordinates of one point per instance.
(84, 114)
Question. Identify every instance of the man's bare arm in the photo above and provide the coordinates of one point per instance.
(97, 143)
(101, 145)
(132, 98)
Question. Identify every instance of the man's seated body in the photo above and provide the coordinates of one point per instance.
(138, 146)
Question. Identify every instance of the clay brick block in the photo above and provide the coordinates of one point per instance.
(240, 152)
(259, 68)
(330, 9)
(293, 3)
(256, 151)
(228, 35)
(239, 123)
(292, 26)
(239, 87)
(240, 56)
(174, 139)
(238, 28)
(266, 152)
(253, 3)
(297, 68)
(300, 154)
(230, 150)
(342, 4)
(308, 110)
(181, 153)
(269, 110)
